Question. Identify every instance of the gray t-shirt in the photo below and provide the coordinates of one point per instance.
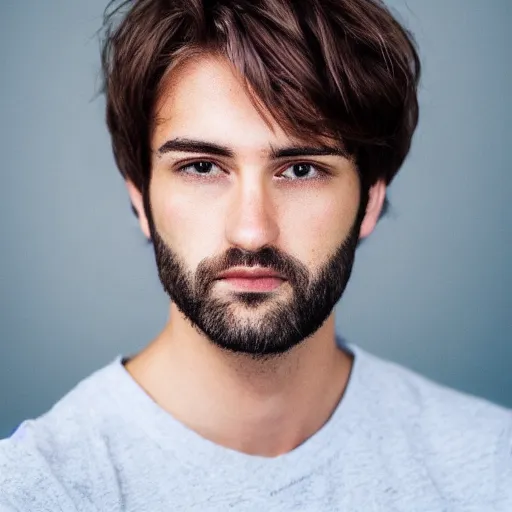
(396, 442)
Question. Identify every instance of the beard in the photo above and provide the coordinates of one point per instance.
(257, 324)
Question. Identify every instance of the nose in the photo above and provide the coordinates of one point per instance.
(251, 222)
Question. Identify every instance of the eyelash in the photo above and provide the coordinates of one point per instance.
(321, 173)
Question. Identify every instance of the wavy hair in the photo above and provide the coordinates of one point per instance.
(339, 68)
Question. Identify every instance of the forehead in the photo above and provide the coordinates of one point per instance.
(204, 98)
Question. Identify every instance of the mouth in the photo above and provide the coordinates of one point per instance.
(258, 284)
(252, 279)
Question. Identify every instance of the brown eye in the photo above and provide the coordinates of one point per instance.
(201, 167)
(300, 171)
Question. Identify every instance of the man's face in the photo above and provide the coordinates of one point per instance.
(214, 211)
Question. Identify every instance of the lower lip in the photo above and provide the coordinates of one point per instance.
(256, 284)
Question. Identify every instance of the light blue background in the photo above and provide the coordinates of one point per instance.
(431, 289)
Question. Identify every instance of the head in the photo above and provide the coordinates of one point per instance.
(258, 134)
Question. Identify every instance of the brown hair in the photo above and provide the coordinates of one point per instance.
(338, 68)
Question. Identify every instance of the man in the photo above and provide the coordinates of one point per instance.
(257, 139)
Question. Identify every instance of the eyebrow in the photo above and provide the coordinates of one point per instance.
(199, 146)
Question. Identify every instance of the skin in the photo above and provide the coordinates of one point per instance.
(261, 407)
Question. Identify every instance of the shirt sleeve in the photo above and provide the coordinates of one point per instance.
(504, 468)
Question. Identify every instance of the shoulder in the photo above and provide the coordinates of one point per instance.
(56, 461)
(462, 440)
(420, 395)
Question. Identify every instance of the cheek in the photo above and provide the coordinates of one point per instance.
(316, 225)
(188, 225)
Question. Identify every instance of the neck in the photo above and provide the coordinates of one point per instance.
(260, 407)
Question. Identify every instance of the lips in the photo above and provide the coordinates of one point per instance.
(250, 273)
(256, 279)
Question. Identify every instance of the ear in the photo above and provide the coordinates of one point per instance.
(138, 204)
(376, 196)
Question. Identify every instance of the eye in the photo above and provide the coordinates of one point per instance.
(202, 167)
(301, 171)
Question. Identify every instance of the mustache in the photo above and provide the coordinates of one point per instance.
(267, 257)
